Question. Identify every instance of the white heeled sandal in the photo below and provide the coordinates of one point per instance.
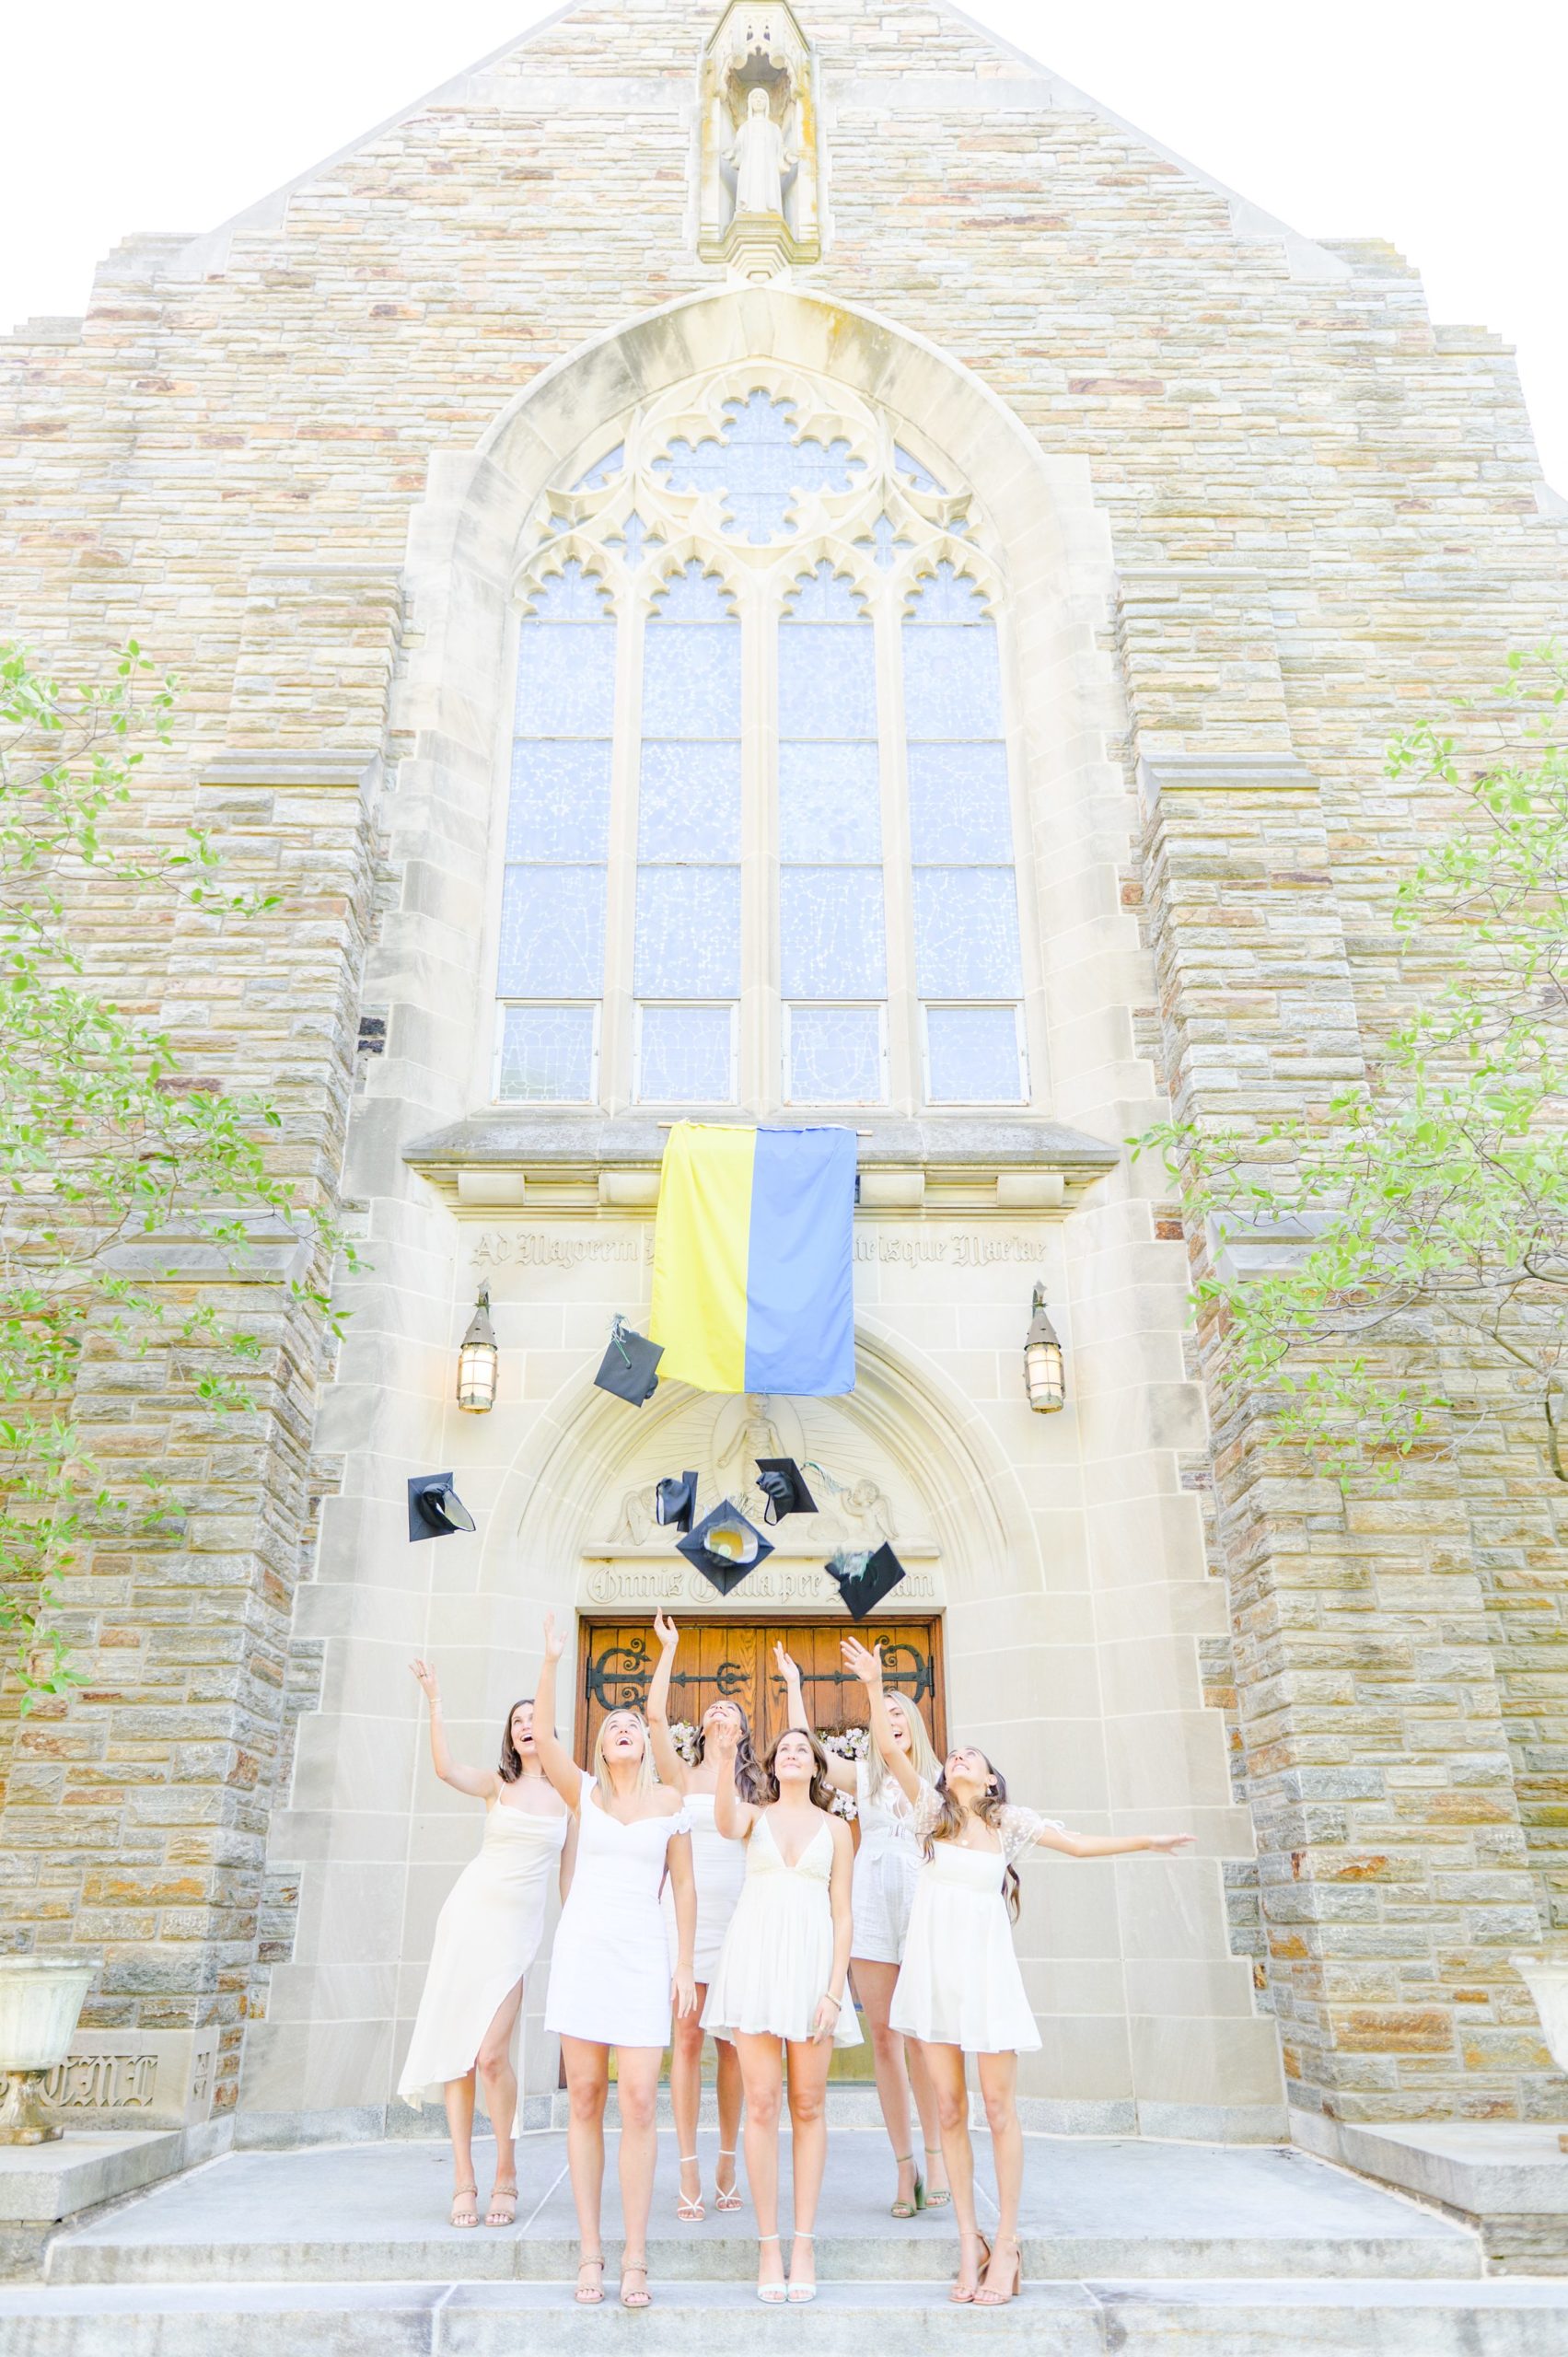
(772, 2295)
(688, 2207)
(726, 2198)
(800, 2293)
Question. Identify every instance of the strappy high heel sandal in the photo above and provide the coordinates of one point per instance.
(503, 2209)
(465, 2206)
(937, 2197)
(589, 2295)
(800, 2293)
(772, 2295)
(993, 2296)
(960, 2297)
(900, 2208)
(643, 2299)
(727, 2197)
(689, 2206)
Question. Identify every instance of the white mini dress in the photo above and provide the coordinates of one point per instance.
(609, 1968)
(886, 1866)
(718, 1867)
(778, 1951)
(960, 1983)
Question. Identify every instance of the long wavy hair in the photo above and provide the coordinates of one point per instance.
(747, 1767)
(949, 1826)
(922, 1751)
(510, 1765)
(646, 1776)
(821, 1783)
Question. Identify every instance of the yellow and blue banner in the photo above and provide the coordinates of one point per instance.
(753, 1260)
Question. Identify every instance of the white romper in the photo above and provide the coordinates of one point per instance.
(959, 1984)
(718, 1868)
(887, 1865)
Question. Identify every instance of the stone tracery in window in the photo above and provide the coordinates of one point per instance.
(805, 629)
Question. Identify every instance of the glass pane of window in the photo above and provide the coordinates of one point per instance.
(827, 681)
(688, 801)
(908, 466)
(972, 1055)
(685, 1055)
(952, 684)
(565, 680)
(560, 807)
(958, 804)
(547, 1055)
(829, 803)
(692, 679)
(965, 933)
(759, 466)
(830, 933)
(835, 1056)
(688, 940)
(551, 933)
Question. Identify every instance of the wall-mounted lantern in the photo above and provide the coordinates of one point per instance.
(478, 1359)
(1045, 1374)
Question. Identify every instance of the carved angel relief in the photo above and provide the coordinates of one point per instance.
(758, 202)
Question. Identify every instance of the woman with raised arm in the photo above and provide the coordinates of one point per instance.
(960, 1990)
(885, 1865)
(610, 1983)
(719, 1868)
(778, 1989)
(487, 1935)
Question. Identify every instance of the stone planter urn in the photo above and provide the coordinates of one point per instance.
(1547, 1984)
(40, 2003)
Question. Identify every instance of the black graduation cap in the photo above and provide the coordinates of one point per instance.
(674, 1501)
(783, 1483)
(861, 1579)
(725, 1547)
(629, 1366)
(434, 1509)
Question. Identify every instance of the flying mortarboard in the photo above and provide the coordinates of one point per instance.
(725, 1547)
(783, 1483)
(629, 1366)
(863, 1579)
(434, 1509)
(674, 1501)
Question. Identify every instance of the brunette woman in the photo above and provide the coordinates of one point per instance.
(960, 1992)
(885, 1865)
(486, 1938)
(779, 1987)
(719, 1867)
(609, 1977)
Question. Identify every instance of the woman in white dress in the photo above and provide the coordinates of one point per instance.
(486, 1938)
(960, 1990)
(887, 1862)
(610, 1983)
(719, 1867)
(779, 1987)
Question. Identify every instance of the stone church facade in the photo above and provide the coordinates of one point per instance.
(921, 659)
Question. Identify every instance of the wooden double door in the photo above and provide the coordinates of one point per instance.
(732, 1660)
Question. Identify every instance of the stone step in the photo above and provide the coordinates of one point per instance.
(1499, 2318)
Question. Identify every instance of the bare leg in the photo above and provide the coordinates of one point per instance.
(496, 2076)
(946, 2064)
(636, 2085)
(874, 1985)
(686, 2096)
(762, 2074)
(809, 2060)
(587, 2090)
(924, 2095)
(999, 2089)
(459, 2127)
(729, 2095)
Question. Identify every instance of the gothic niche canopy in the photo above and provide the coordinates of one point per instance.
(758, 197)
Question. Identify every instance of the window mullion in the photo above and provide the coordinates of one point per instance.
(761, 1039)
(615, 1054)
(904, 1088)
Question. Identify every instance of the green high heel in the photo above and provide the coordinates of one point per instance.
(940, 2196)
(906, 2209)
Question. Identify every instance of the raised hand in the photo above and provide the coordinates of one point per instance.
(666, 1631)
(554, 1644)
(723, 1736)
(786, 1666)
(865, 1661)
(429, 1683)
(1169, 1840)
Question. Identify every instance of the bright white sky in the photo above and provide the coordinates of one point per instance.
(1434, 123)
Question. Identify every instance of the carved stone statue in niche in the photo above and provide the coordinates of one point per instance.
(757, 198)
(761, 159)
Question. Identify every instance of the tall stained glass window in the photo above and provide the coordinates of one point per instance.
(964, 889)
(551, 981)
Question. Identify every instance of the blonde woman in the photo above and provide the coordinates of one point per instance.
(960, 1992)
(885, 1865)
(779, 1988)
(487, 1935)
(610, 1983)
(719, 1867)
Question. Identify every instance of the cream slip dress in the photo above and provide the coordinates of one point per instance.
(487, 1935)
(778, 1951)
(887, 1865)
(960, 1983)
(609, 1970)
(718, 1867)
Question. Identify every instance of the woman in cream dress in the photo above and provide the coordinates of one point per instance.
(487, 1935)
(719, 1867)
(779, 1988)
(959, 1991)
(610, 1983)
(887, 1862)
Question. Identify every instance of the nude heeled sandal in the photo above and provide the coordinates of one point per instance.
(772, 2295)
(962, 2299)
(688, 2207)
(727, 2197)
(465, 2206)
(503, 2209)
(589, 2295)
(988, 2298)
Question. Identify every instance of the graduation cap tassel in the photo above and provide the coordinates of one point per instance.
(864, 1578)
(629, 1369)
